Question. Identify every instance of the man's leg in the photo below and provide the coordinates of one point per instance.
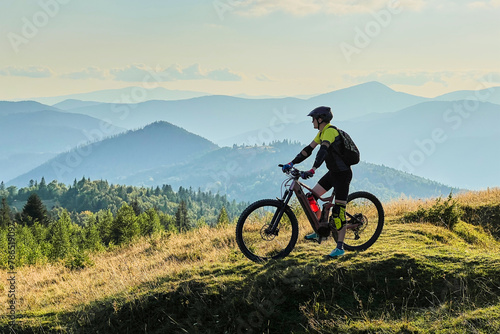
(341, 233)
(341, 186)
(319, 191)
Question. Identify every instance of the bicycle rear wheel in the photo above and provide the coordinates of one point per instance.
(253, 234)
(365, 220)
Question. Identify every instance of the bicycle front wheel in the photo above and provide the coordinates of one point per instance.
(255, 236)
(365, 220)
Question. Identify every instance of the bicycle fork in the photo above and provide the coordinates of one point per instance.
(273, 226)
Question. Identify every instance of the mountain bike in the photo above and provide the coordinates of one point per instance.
(268, 229)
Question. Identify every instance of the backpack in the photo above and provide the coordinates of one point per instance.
(348, 150)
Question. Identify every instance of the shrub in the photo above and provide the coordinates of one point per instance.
(442, 213)
(78, 260)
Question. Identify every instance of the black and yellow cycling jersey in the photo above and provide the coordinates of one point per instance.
(333, 161)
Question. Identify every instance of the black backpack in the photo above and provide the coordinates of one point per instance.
(348, 150)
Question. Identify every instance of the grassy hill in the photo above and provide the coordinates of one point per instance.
(418, 278)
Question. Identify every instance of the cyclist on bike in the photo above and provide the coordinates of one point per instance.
(339, 174)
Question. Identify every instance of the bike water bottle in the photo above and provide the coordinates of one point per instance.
(314, 205)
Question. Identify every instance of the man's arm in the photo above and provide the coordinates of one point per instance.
(305, 153)
(320, 157)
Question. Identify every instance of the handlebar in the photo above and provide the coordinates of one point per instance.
(292, 171)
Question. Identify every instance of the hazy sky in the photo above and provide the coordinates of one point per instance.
(256, 47)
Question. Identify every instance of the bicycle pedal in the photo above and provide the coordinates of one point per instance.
(321, 239)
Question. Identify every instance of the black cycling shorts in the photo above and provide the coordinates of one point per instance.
(339, 181)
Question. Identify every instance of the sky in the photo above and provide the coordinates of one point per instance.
(253, 47)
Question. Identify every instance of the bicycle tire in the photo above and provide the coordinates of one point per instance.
(251, 236)
(376, 211)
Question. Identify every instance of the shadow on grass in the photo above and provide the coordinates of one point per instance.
(289, 295)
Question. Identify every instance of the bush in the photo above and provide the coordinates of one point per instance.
(78, 260)
(442, 213)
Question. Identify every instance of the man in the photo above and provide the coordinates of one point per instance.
(339, 174)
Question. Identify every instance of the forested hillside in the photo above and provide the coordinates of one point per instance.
(249, 173)
(53, 221)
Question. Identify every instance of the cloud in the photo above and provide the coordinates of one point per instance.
(490, 77)
(140, 72)
(223, 75)
(263, 77)
(28, 71)
(484, 4)
(91, 72)
(306, 7)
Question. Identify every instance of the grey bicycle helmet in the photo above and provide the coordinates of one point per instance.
(325, 113)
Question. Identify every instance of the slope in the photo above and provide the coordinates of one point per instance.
(251, 173)
(8, 107)
(452, 142)
(418, 278)
(121, 94)
(115, 158)
(366, 98)
(220, 118)
(29, 138)
(491, 95)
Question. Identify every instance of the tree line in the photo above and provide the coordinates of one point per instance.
(94, 216)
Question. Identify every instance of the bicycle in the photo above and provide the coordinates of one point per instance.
(268, 229)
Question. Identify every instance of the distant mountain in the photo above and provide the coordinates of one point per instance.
(213, 117)
(491, 95)
(221, 118)
(363, 99)
(72, 104)
(28, 139)
(123, 95)
(454, 143)
(251, 173)
(116, 158)
(7, 107)
(443, 141)
(164, 154)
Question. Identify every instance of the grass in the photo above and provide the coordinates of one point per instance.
(417, 278)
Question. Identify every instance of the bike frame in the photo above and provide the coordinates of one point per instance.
(296, 188)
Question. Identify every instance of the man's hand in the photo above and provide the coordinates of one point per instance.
(308, 174)
(287, 167)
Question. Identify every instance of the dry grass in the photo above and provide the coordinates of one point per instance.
(55, 288)
(490, 196)
(128, 271)
(398, 208)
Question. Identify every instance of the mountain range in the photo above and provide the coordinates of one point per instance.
(31, 133)
(115, 158)
(162, 153)
(450, 138)
(123, 95)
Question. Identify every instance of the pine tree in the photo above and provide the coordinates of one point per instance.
(181, 217)
(223, 219)
(149, 222)
(104, 222)
(168, 222)
(135, 206)
(59, 239)
(125, 227)
(34, 210)
(4, 214)
(42, 188)
(91, 237)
